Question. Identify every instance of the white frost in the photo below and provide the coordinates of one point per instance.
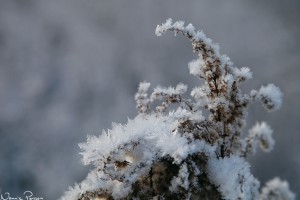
(181, 180)
(277, 189)
(232, 176)
(270, 96)
(262, 134)
(195, 67)
(200, 136)
(243, 73)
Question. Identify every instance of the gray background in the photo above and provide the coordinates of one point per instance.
(69, 68)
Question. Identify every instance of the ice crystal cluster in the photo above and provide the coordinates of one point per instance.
(193, 149)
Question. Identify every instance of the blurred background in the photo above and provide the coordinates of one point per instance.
(69, 68)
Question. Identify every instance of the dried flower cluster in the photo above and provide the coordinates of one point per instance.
(180, 152)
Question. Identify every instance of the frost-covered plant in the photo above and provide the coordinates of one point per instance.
(193, 150)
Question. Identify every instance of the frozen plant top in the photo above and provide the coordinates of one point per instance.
(181, 153)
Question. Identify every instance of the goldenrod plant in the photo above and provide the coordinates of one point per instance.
(194, 149)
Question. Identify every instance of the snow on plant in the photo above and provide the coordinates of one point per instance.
(276, 189)
(179, 152)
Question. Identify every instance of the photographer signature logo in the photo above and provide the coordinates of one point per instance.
(27, 195)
